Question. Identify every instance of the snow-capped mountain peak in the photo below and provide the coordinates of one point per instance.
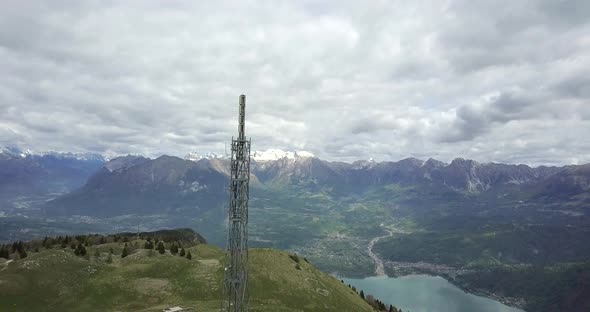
(258, 156)
(276, 154)
(15, 152)
(195, 156)
(77, 156)
(364, 164)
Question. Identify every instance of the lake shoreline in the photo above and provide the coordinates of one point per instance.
(374, 284)
(451, 274)
(518, 303)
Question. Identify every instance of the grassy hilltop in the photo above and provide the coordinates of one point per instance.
(56, 279)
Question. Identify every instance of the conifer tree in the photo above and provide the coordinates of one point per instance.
(4, 252)
(80, 250)
(148, 244)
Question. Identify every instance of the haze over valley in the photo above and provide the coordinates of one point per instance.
(392, 156)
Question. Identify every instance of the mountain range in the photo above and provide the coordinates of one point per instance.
(134, 184)
(95, 186)
(23, 173)
(484, 217)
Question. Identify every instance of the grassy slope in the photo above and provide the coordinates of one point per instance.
(56, 280)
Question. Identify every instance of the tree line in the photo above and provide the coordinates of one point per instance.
(175, 248)
(173, 240)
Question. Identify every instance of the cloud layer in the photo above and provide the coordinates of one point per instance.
(494, 81)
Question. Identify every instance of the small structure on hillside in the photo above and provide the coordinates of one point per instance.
(178, 309)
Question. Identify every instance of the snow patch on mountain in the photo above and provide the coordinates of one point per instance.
(258, 156)
(276, 154)
(16, 152)
(195, 156)
(364, 164)
(77, 156)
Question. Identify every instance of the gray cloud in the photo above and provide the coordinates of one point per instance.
(475, 119)
(491, 80)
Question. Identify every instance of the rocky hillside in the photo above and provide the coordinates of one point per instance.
(133, 185)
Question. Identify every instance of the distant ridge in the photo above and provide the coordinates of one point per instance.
(260, 156)
(134, 184)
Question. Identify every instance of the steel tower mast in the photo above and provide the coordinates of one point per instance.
(235, 280)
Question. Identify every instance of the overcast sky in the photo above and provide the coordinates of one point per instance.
(505, 81)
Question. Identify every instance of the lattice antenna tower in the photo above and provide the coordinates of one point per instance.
(235, 280)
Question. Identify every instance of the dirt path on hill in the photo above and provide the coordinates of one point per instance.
(5, 265)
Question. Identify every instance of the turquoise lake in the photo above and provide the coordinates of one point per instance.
(423, 293)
